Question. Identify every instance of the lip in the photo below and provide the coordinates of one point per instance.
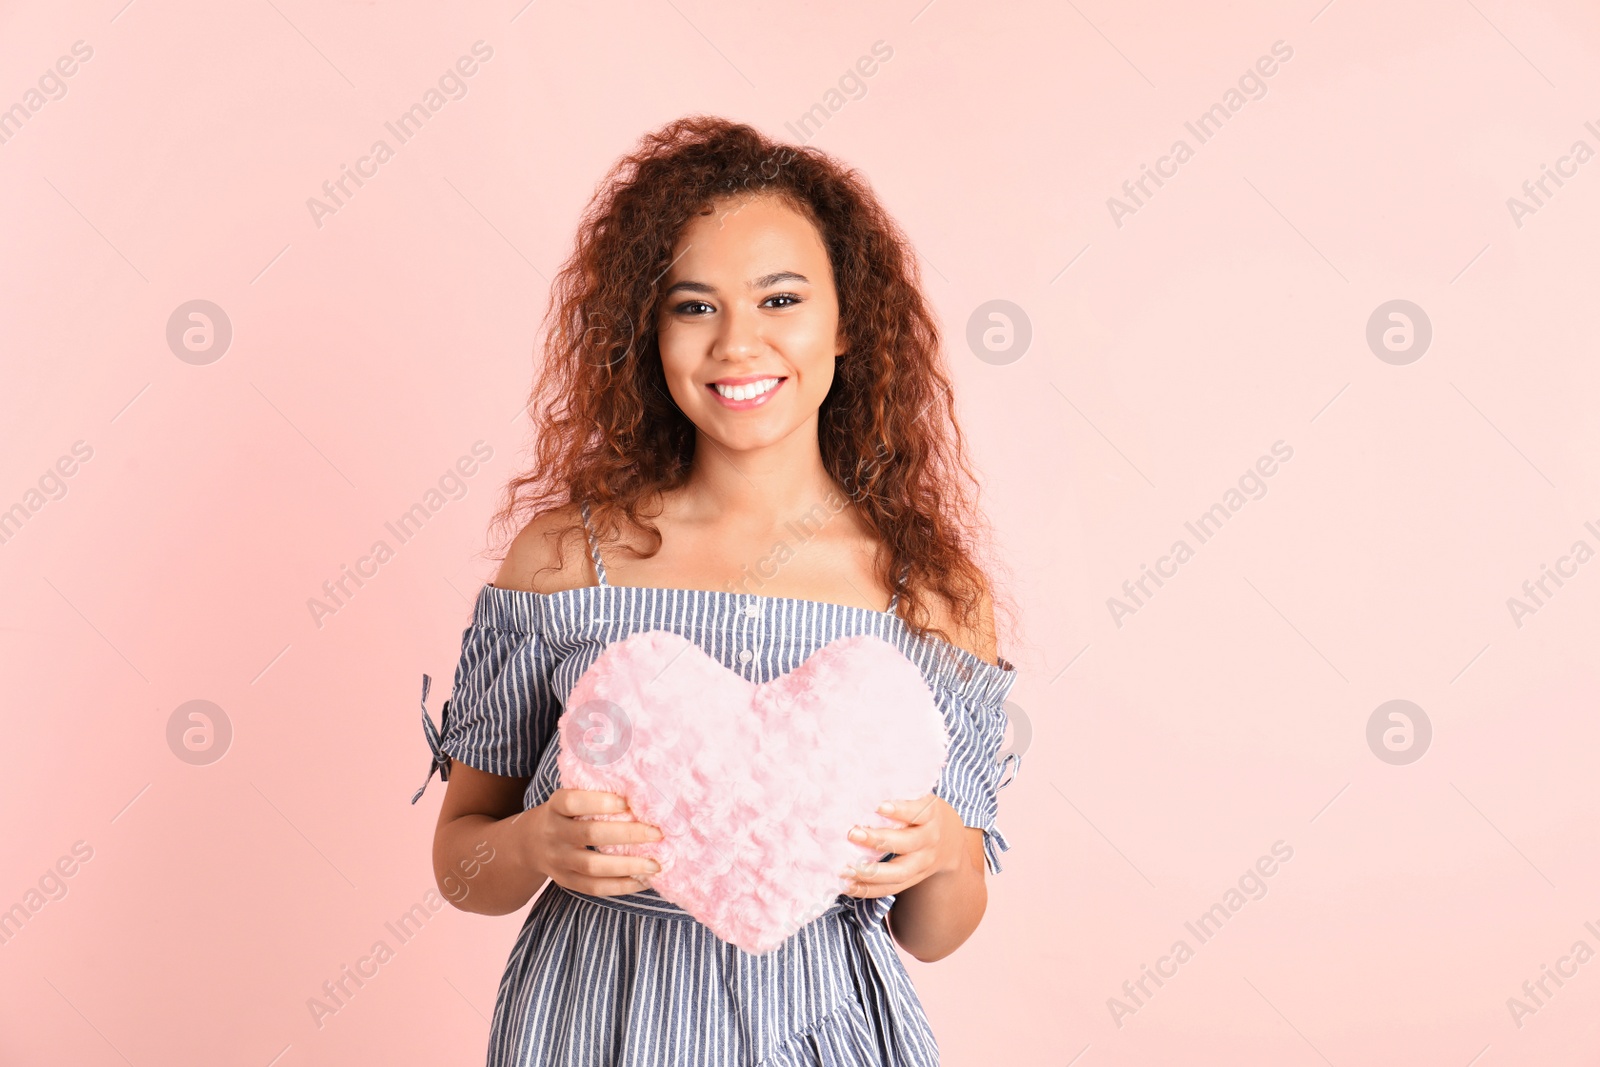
(753, 402)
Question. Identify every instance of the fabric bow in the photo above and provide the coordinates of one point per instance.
(441, 762)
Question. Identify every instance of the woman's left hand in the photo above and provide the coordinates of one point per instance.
(930, 843)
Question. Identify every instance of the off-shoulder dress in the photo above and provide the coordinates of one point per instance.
(633, 980)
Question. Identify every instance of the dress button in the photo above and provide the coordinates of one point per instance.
(752, 610)
(745, 655)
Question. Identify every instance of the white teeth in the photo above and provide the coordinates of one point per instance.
(745, 392)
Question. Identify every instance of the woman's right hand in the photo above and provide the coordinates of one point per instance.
(558, 842)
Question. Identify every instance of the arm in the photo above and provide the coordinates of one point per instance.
(489, 855)
(935, 917)
(941, 907)
(479, 861)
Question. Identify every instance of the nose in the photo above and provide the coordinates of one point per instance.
(739, 338)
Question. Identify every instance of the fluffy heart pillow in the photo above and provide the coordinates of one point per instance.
(754, 787)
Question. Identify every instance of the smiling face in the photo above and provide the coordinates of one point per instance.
(749, 323)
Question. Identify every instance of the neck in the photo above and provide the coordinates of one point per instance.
(761, 486)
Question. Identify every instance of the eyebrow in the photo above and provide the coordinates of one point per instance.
(766, 281)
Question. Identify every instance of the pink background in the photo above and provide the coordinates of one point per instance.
(1165, 755)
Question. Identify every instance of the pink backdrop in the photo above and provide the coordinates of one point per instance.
(1383, 477)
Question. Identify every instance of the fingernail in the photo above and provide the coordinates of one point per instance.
(858, 834)
(885, 808)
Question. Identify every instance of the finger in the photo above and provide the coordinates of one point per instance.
(865, 890)
(889, 876)
(892, 839)
(585, 863)
(911, 810)
(603, 832)
(572, 802)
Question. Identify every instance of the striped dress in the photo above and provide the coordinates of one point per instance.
(633, 980)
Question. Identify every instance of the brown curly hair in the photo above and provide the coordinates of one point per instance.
(607, 430)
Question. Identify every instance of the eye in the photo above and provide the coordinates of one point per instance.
(780, 296)
(684, 307)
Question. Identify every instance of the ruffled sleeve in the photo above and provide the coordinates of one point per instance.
(502, 711)
(976, 718)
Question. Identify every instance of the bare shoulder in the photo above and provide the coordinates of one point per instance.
(980, 641)
(549, 555)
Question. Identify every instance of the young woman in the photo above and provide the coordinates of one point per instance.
(743, 414)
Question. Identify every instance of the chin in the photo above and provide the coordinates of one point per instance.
(740, 430)
(745, 441)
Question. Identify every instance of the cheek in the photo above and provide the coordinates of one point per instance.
(809, 348)
(677, 367)
(667, 343)
(819, 379)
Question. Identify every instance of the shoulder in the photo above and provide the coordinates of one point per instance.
(978, 639)
(549, 555)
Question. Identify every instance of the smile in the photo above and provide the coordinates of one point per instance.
(746, 394)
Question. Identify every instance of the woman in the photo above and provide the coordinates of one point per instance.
(743, 413)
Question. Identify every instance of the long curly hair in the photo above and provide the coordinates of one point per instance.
(607, 430)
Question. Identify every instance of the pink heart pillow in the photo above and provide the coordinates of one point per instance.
(754, 787)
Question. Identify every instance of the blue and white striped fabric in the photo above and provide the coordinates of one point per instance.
(633, 980)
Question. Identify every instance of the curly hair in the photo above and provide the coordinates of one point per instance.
(607, 430)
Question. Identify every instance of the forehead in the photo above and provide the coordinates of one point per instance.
(750, 235)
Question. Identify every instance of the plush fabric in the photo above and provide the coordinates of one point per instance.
(754, 787)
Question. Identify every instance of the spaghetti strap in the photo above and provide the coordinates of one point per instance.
(594, 546)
